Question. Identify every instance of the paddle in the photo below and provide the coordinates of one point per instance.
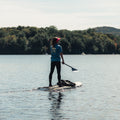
(73, 69)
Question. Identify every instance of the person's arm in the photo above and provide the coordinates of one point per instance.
(61, 54)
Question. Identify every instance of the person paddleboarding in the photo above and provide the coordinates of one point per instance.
(56, 56)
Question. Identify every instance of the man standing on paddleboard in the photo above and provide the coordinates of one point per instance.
(56, 56)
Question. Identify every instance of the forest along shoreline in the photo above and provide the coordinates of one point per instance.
(33, 40)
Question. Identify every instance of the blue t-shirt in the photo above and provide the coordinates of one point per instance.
(55, 52)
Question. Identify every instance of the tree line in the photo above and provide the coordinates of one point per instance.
(33, 40)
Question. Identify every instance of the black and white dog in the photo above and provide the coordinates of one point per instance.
(66, 83)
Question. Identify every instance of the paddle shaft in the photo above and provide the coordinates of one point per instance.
(68, 65)
(73, 69)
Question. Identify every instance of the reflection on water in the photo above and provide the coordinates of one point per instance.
(56, 102)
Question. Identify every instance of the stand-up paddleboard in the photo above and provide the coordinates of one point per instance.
(64, 87)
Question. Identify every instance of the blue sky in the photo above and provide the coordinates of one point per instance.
(64, 14)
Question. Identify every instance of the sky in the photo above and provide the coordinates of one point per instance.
(63, 14)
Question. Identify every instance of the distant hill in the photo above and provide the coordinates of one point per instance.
(108, 30)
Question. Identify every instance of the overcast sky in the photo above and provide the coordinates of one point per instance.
(64, 14)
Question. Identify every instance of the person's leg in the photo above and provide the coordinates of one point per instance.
(51, 72)
(58, 65)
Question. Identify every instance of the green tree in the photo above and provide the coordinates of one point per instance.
(65, 46)
(36, 44)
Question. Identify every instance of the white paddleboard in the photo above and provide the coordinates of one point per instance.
(57, 88)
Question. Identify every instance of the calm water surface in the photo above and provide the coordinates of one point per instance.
(97, 99)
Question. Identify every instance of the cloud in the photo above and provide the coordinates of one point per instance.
(80, 15)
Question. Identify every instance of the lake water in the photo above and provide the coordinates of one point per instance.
(97, 99)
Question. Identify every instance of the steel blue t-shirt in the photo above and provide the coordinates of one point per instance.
(55, 52)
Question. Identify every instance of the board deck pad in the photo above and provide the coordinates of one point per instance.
(57, 88)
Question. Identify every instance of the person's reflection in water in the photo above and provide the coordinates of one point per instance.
(56, 101)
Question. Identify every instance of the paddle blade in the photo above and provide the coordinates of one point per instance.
(74, 70)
